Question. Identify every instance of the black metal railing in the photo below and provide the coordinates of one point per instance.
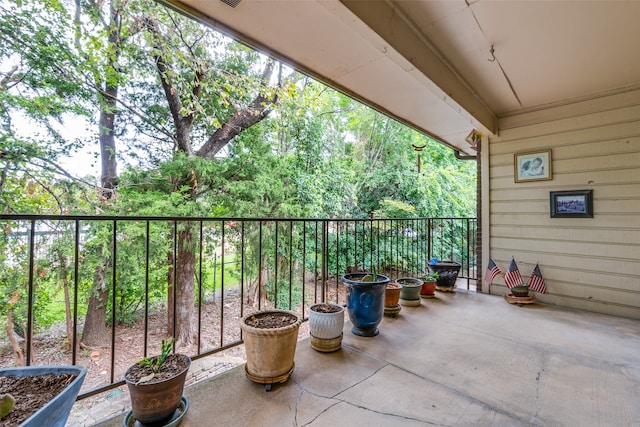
(116, 286)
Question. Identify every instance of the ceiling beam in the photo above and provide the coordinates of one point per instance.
(397, 29)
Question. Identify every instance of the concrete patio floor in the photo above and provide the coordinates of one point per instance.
(460, 359)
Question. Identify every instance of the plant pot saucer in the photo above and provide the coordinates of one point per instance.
(410, 302)
(326, 345)
(392, 311)
(511, 299)
(428, 295)
(130, 420)
(268, 381)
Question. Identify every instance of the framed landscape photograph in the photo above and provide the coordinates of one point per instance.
(532, 166)
(571, 204)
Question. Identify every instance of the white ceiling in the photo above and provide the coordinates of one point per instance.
(429, 63)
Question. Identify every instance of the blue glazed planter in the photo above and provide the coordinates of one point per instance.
(365, 302)
(56, 412)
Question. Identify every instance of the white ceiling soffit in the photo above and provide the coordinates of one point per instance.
(430, 63)
(544, 52)
(327, 41)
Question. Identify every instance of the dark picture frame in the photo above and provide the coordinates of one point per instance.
(571, 204)
(532, 166)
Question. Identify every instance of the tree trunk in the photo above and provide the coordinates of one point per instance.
(186, 326)
(107, 83)
(108, 98)
(108, 143)
(64, 275)
(181, 313)
(263, 293)
(170, 299)
(18, 352)
(95, 332)
(67, 314)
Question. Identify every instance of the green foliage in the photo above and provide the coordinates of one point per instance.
(7, 403)
(395, 209)
(319, 154)
(430, 277)
(39, 89)
(155, 363)
(214, 269)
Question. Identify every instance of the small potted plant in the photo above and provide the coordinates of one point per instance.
(520, 291)
(410, 293)
(428, 289)
(391, 298)
(155, 387)
(326, 321)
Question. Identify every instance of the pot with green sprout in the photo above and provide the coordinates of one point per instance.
(156, 385)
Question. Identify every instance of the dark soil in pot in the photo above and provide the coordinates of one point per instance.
(270, 320)
(31, 393)
(172, 366)
(326, 308)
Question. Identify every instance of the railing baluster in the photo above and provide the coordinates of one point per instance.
(76, 263)
(222, 288)
(346, 261)
(174, 289)
(242, 269)
(29, 332)
(290, 258)
(114, 254)
(146, 288)
(260, 267)
(199, 284)
(304, 262)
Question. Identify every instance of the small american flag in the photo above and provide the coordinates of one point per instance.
(512, 277)
(492, 271)
(536, 282)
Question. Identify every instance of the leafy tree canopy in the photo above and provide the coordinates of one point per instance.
(317, 153)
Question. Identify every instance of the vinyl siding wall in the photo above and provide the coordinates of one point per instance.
(587, 263)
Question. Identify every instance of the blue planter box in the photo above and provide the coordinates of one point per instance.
(56, 412)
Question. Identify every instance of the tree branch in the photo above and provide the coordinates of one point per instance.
(240, 120)
(171, 93)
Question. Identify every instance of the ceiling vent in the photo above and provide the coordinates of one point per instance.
(232, 3)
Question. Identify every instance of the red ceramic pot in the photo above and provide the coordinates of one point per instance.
(428, 288)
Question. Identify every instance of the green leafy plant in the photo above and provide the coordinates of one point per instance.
(155, 363)
(373, 277)
(430, 277)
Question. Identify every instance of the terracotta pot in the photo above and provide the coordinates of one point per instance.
(428, 288)
(392, 295)
(270, 351)
(155, 402)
